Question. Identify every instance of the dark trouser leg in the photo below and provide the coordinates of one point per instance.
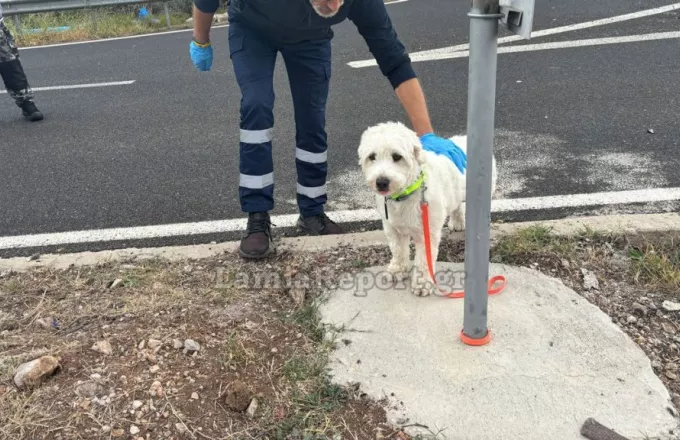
(11, 70)
(254, 60)
(309, 71)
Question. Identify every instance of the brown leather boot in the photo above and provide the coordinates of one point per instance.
(319, 225)
(257, 243)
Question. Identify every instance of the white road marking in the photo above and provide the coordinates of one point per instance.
(444, 55)
(81, 86)
(235, 225)
(436, 53)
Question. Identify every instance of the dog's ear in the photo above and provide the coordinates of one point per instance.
(418, 150)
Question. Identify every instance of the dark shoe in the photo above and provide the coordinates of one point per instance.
(257, 243)
(30, 111)
(319, 225)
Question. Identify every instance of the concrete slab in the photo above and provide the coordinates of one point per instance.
(554, 361)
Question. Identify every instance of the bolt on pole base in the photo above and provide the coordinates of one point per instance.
(484, 17)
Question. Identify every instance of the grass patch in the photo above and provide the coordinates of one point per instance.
(533, 241)
(49, 27)
(275, 347)
(657, 264)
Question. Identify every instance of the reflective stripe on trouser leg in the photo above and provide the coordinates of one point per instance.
(254, 61)
(309, 71)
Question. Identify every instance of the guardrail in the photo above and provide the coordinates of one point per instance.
(15, 8)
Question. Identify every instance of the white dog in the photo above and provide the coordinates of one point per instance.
(392, 159)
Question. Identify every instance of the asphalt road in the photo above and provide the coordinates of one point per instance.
(165, 148)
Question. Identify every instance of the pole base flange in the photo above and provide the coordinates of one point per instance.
(475, 342)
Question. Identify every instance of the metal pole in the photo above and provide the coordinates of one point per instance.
(484, 17)
(17, 24)
(167, 14)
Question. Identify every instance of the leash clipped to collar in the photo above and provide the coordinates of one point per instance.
(430, 266)
(407, 191)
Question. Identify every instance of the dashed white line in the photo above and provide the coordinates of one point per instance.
(235, 225)
(446, 54)
(81, 86)
(437, 53)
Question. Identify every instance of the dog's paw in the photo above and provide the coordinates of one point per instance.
(398, 272)
(424, 289)
(457, 224)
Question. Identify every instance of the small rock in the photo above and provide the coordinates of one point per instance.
(181, 429)
(90, 389)
(565, 263)
(106, 429)
(154, 343)
(671, 366)
(668, 328)
(252, 408)
(650, 130)
(639, 308)
(34, 373)
(671, 375)
(137, 404)
(103, 347)
(177, 344)
(670, 306)
(46, 323)
(631, 319)
(238, 397)
(590, 280)
(154, 369)
(134, 430)
(115, 283)
(191, 346)
(156, 389)
(194, 396)
(141, 345)
(117, 433)
(33, 257)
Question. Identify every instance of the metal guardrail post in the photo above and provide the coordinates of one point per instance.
(484, 15)
(167, 14)
(17, 24)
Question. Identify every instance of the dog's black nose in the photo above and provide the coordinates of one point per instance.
(382, 183)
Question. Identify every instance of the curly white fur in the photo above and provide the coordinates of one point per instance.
(391, 158)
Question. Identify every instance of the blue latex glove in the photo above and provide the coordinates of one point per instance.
(202, 57)
(445, 147)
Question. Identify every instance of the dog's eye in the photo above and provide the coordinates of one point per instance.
(396, 157)
(371, 157)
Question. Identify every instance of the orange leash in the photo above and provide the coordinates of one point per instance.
(430, 266)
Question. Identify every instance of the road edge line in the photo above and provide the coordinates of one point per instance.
(612, 224)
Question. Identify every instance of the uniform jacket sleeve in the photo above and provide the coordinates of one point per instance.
(207, 6)
(375, 26)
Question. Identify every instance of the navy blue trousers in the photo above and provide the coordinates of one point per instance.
(308, 65)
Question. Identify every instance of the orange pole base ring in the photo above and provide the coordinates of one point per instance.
(475, 342)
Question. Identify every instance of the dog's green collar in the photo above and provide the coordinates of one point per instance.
(410, 189)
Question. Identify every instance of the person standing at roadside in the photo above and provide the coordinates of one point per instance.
(13, 75)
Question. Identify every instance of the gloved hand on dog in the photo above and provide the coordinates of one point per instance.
(445, 147)
(201, 55)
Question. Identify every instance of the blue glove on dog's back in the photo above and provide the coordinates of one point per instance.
(201, 55)
(445, 147)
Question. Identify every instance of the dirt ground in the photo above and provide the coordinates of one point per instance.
(220, 348)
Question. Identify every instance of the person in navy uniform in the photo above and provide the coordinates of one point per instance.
(301, 31)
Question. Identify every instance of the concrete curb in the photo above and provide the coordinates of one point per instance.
(630, 224)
